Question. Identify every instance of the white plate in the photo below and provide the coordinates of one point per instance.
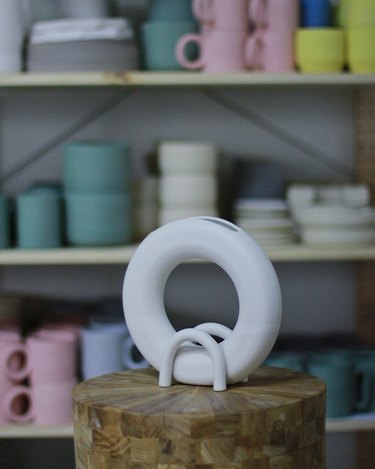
(334, 237)
(332, 215)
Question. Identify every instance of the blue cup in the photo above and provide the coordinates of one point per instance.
(4, 222)
(98, 219)
(96, 167)
(171, 10)
(291, 360)
(315, 13)
(39, 220)
(159, 43)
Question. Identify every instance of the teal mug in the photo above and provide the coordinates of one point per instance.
(39, 220)
(291, 360)
(98, 219)
(95, 166)
(4, 222)
(159, 44)
(364, 362)
(170, 10)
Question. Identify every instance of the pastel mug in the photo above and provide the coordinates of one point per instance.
(17, 405)
(219, 51)
(271, 51)
(14, 361)
(159, 42)
(320, 50)
(223, 15)
(361, 14)
(170, 10)
(360, 55)
(275, 14)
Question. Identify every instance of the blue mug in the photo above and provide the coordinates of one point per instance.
(315, 13)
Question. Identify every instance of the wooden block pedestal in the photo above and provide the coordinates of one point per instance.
(275, 420)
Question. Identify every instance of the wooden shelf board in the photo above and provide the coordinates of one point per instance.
(34, 431)
(123, 254)
(160, 79)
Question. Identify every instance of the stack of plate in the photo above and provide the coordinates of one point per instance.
(332, 225)
(266, 220)
(102, 44)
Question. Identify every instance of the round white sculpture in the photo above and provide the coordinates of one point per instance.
(256, 283)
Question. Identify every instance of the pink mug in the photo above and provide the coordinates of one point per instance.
(52, 402)
(14, 362)
(52, 355)
(17, 405)
(220, 51)
(223, 14)
(271, 51)
(275, 14)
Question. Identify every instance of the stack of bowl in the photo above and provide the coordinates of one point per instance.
(97, 182)
(188, 182)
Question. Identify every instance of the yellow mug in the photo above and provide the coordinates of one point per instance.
(361, 14)
(341, 13)
(320, 50)
(360, 46)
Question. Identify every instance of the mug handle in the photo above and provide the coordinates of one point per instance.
(180, 51)
(363, 374)
(11, 351)
(258, 13)
(254, 52)
(8, 402)
(203, 11)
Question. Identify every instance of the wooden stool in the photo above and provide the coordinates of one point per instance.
(125, 420)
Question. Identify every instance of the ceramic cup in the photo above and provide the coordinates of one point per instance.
(4, 222)
(271, 51)
(320, 50)
(361, 14)
(17, 405)
(170, 11)
(102, 349)
(5, 386)
(39, 219)
(276, 15)
(52, 402)
(52, 357)
(315, 13)
(219, 51)
(84, 8)
(11, 36)
(337, 374)
(361, 57)
(14, 361)
(159, 42)
(292, 361)
(188, 190)
(222, 15)
(98, 219)
(96, 166)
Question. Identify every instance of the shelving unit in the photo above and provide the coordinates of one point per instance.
(363, 87)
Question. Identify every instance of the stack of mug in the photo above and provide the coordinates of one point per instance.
(97, 189)
(167, 21)
(15, 397)
(319, 47)
(358, 19)
(48, 360)
(271, 46)
(222, 41)
(188, 182)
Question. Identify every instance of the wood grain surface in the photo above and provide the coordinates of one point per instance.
(125, 420)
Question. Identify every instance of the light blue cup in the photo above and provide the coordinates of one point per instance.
(39, 220)
(96, 167)
(171, 10)
(98, 219)
(159, 41)
(4, 222)
(291, 360)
